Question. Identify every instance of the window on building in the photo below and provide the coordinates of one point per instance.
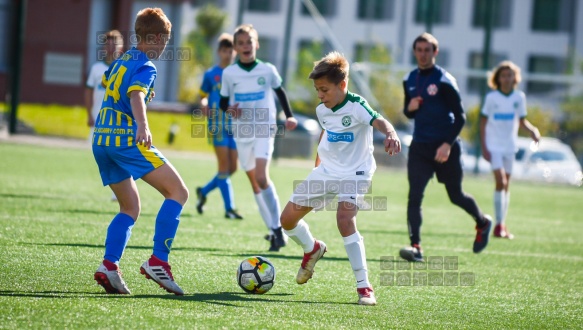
(501, 13)
(200, 3)
(376, 9)
(5, 36)
(268, 49)
(545, 64)
(440, 11)
(375, 53)
(265, 6)
(476, 62)
(326, 7)
(553, 15)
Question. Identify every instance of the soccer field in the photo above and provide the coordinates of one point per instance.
(54, 215)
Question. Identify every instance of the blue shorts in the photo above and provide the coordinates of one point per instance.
(223, 140)
(119, 163)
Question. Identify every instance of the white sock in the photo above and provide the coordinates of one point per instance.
(301, 235)
(272, 201)
(264, 211)
(354, 245)
(506, 204)
(499, 206)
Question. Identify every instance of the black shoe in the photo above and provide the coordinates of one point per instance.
(279, 239)
(232, 214)
(412, 253)
(482, 235)
(201, 200)
(273, 247)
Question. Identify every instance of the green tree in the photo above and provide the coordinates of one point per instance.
(301, 89)
(209, 23)
(386, 85)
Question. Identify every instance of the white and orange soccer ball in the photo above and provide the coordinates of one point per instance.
(256, 275)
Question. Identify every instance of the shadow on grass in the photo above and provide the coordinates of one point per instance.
(294, 257)
(110, 213)
(219, 298)
(213, 252)
(136, 247)
(405, 234)
(30, 196)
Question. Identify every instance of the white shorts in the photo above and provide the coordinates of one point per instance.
(321, 186)
(500, 160)
(249, 150)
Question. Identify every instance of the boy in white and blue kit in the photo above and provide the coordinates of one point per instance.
(345, 155)
(247, 95)
(503, 112)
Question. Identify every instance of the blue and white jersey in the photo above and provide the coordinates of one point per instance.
(503, 113)
(347, 146)
(115, 125)
(252, 88)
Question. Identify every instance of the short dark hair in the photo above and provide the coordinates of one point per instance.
(225, 41)
(426, 37)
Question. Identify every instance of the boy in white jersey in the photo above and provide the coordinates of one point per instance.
(247, 95)
(344, 167)
(503, 112)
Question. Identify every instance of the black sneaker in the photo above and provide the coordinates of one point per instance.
(232, 214)
(482, 235)
(412, 253)
(273, 246)
(201, 200)
(279, 238)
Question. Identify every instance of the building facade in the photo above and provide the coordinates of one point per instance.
(62, 41)
(544, 37)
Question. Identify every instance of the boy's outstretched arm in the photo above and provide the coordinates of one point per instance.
(143, 135)
(392, 142)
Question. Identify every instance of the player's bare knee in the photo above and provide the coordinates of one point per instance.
(288, 222)
(181, 194)
(262, 182)
(132, 210)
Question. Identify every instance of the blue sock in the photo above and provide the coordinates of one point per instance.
(224, 183)
(118, 235)
(212, 184)
(166, 225)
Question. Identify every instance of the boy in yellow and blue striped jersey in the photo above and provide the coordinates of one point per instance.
(123, 150)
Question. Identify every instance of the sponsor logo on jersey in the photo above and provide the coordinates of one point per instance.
(261, 81)
(346, 121)
(432, 89)
(242, 97)
(504, 116)
(340, 137)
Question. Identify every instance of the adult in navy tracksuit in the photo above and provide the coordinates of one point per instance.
(433, 100)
